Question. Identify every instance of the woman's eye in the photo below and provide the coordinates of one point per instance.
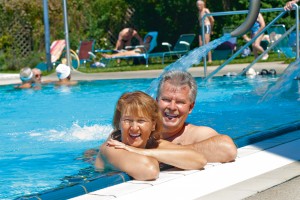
(127, 121)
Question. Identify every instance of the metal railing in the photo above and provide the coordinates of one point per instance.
(281, 14)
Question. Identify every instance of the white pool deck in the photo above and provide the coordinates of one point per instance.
(269, 169)
(257, 168)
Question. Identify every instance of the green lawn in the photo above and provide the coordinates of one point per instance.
(125, 65)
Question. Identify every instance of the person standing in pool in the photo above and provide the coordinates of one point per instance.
(176, 96)
(28, 79)
(37, 75)
(135, 146)
(63, 73)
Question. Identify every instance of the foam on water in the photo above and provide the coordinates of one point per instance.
(75, 133)
(284, 83)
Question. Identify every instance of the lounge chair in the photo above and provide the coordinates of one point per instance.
(226, 49)
(181, 47)
(84, 53)
(56, 50)
(144, 56)
(275, 32)
(223, 51)
(293, 40)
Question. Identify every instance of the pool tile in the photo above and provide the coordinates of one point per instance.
(163, 177)
(242, 152)
(226, 194)
(93, 197)
(180, 172)
(121, 189)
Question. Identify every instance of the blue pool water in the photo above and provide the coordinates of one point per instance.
(43, 133)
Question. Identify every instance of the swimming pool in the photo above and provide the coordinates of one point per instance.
(45, 132)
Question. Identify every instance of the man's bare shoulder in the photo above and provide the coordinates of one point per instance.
(199, 133)
(206, 11)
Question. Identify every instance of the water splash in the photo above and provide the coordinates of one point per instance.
(75, 133)
(284, 83)
(188, 60)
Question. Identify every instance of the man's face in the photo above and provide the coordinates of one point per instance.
(200, 5)
(175, 105)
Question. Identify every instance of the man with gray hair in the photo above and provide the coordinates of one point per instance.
(176, 96)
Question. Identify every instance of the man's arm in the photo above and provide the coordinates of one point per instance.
(211, 20)
(214, 146)
(138, 166)
(289, 4)
(119, 44)
(138, 37)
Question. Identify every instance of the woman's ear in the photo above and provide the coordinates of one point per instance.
(153, 126)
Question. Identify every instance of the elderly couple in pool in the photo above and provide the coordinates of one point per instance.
(32, 78)
(147, 133)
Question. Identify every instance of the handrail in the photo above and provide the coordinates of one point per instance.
(297, 29)
(283, 12)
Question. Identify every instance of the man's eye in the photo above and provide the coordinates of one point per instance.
(167, 100)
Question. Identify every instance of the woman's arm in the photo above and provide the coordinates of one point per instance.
(171, 154)
(138, 166)
(261, 21)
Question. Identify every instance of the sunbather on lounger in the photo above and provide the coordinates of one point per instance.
(136, 51)
(125, 37)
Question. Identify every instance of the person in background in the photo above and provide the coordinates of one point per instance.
(63, 73)
(135, 51)
(256, 28)
(208, 25)
(125, 37)
(176, 97)
(28, 79)
(37, 75)
(289, 4)
(135, 146)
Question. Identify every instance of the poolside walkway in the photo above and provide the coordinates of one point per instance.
(267, 170)
(257, 168)
(195, 71)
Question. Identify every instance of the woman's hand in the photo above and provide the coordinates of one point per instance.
(116, 144)
(120, 145)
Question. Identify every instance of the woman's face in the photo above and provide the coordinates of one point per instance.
(135, 129)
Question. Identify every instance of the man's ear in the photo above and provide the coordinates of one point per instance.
(191, 107)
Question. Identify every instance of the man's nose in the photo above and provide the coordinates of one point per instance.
(172, 105)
